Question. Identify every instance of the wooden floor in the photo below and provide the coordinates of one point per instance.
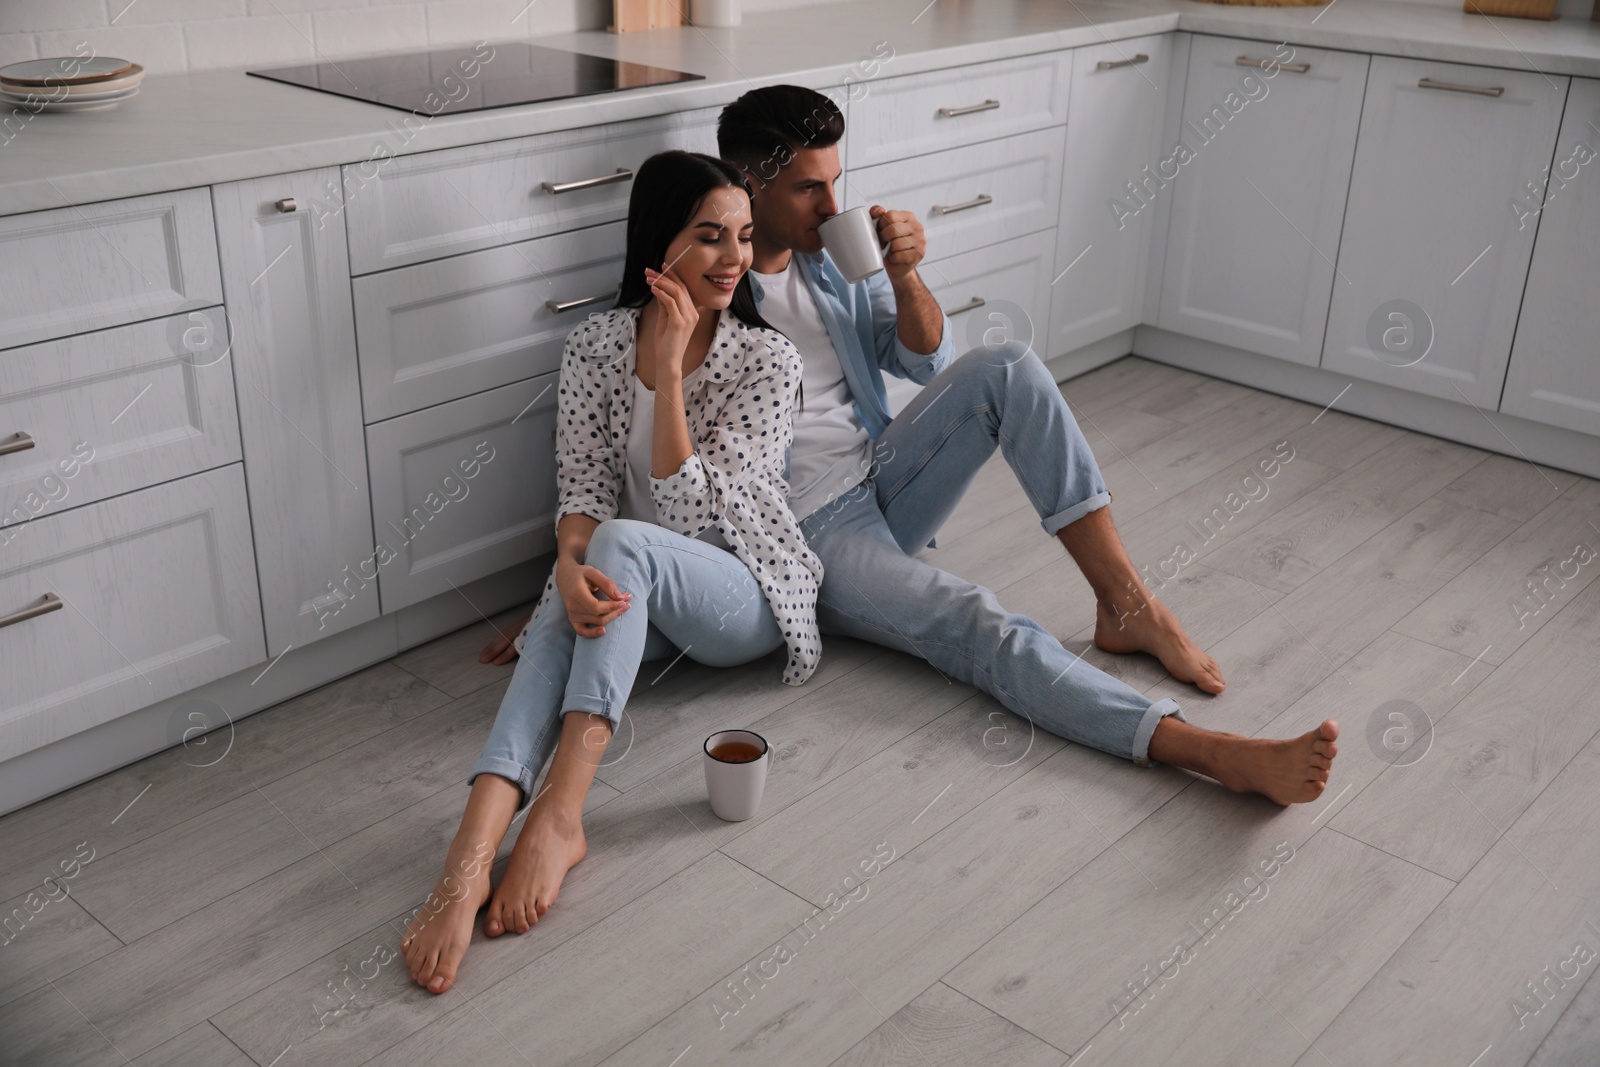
(1044, 903)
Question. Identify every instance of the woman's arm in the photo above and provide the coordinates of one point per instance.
(675, 320)
(577, 582)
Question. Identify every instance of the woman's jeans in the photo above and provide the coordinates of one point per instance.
(687, 595)
(874, 589)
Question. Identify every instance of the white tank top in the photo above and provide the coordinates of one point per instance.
(637, 503)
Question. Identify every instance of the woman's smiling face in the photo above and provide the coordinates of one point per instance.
(712, 252)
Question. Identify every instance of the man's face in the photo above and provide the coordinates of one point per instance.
(789, 208)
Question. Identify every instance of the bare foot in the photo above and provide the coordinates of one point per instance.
(1149, 626)
(437, 936)
(549, 846)
(1290, 771)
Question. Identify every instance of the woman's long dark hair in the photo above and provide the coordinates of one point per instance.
(667, 192)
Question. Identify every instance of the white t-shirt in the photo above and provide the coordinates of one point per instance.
(636, 502)
(832, 451)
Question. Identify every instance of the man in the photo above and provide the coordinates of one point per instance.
(870, 490)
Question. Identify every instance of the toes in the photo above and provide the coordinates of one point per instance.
(444, 976)
(494, 923)
(1329, 730)
(1319, 775)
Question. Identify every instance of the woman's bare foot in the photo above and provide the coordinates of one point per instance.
(1147, 625)
(551, 844)
(1290, 771)
(437, 936)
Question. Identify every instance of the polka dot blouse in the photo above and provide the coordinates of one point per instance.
(740, 414)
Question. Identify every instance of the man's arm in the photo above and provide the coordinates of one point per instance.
(920, 324)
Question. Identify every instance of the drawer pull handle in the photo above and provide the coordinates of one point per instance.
(950, 209)
(971, 305)
(970, 109)
(558, 307)
(47, 603)
(20, 441)
(622, 175)
(286, 205)
(1268, 64)
(1477, 90)
(1113, 64)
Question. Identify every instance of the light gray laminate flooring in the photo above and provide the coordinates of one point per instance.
(1045, 903)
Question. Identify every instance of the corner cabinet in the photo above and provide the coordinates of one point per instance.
(1432, 264)
(286, 282)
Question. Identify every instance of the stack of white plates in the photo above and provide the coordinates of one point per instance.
(69, 83)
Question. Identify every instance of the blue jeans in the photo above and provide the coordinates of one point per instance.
(873, 589)
(687, 595)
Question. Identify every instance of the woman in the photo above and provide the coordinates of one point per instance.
(673, 532)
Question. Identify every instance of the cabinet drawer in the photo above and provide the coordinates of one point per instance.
(920, 113)
(1012, 185)
(118, 408)
(464, 489)
(158, 595)
(75, 269)
(434, 332)
(413, 208)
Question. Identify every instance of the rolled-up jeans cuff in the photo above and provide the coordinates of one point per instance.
(1074, 513)
(1147, 728)
(511, 771)
(594, 705)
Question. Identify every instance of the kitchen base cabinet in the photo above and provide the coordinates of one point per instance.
(1554, 375)
(294, 360)
(1258, 196)
(115, 605)
(460, 491)
(1432, 263)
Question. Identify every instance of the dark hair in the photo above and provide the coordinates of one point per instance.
(761, 130)
(667, 192)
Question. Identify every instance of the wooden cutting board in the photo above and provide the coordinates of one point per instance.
(1520, 9)
(630, 15)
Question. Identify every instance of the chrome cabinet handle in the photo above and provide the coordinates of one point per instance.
(1477, 90)
(971, 109)
(47, 603)
(20, 441)
(950, 209)
(1113, 64)
(560, 306)
(622, 175)
(971, 305)
(1263, 64)
(286, 205)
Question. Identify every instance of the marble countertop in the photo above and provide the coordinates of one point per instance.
(185, 130)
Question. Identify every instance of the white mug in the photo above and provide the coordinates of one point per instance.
(735, 788)
(851, 238)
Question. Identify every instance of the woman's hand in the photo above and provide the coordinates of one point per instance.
(675, 322)
(501, 649)
(577, 584)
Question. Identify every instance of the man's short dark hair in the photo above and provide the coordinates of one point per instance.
(761, 130)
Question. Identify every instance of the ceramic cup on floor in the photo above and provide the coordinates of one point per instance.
(736, 772)
(851, 238)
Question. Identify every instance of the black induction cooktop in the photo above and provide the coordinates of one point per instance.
(474, 77)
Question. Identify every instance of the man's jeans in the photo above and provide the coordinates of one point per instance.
(687, 594)
(873, 589)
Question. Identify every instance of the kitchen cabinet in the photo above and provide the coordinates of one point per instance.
(1431, 265)
(287, 282)
(1554, 375)
(1258, 197)
(1119, 96)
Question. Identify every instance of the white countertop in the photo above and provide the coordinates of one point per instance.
(185, 130)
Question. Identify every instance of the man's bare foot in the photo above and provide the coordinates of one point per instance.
(1147, 625)
(437, 936)
(1289, 771)
(549, 846)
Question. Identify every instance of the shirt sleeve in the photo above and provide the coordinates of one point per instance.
(893, 356)
(744, 446)
(588, 467)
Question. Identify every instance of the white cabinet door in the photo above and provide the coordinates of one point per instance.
(1555, 365)
(156, 595)
(1258, 205)
(287, 281)
(439, 331)
(1119, 95)
(972, 196)
(1432, 264)
(463, 490)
